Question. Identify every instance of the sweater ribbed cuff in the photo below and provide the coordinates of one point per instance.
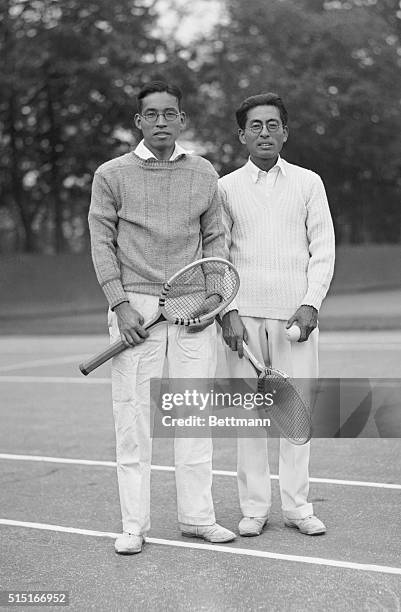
(232, 306)
(314, 296)
(114, 292)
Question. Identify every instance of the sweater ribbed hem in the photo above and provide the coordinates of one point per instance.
(280, 314)
(145, 287)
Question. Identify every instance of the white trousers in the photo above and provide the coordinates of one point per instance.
(188, 355)
(268, 343)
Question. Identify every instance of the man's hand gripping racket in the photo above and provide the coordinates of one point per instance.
(191, 297)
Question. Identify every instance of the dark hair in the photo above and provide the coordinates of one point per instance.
(158, 87)
(264, 99)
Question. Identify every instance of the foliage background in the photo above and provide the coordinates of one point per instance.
(71, 70)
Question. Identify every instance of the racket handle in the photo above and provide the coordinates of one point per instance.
(247, 352)
(251, 357)
(97, 360)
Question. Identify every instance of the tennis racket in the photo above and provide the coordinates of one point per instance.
(194, 295)
(289, 411)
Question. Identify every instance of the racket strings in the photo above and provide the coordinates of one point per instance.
(200, 290)
(289, 411)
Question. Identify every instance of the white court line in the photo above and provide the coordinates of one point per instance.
(169, 468)
(365, 567)
(37, 363)
(55, 379)
(72, 380)
(361, 347)
(12, 457)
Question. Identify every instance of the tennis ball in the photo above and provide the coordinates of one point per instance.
(293, 334)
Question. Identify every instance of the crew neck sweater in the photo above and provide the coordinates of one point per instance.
(149, 218)
(280, 238)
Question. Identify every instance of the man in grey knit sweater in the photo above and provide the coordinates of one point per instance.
(153, 211)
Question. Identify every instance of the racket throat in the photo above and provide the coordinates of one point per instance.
(187, 322)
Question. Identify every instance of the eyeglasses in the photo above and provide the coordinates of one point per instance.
(272, 126)
(152, 116)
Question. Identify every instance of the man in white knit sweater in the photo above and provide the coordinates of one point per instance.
(281, 239)
(153, 211)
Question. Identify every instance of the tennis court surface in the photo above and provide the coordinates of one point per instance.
(60, 511)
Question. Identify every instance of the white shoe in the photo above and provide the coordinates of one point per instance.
(210, 533)
(252, 525)
(129, 544)
(310, 525)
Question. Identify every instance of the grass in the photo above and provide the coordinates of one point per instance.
(38, 285)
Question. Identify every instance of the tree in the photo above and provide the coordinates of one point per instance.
(337, 67)
(72, 69)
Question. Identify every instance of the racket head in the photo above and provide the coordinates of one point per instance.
(199, 291)
(289, 411)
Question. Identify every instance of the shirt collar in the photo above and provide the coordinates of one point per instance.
(144, 153)
(256, 172)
